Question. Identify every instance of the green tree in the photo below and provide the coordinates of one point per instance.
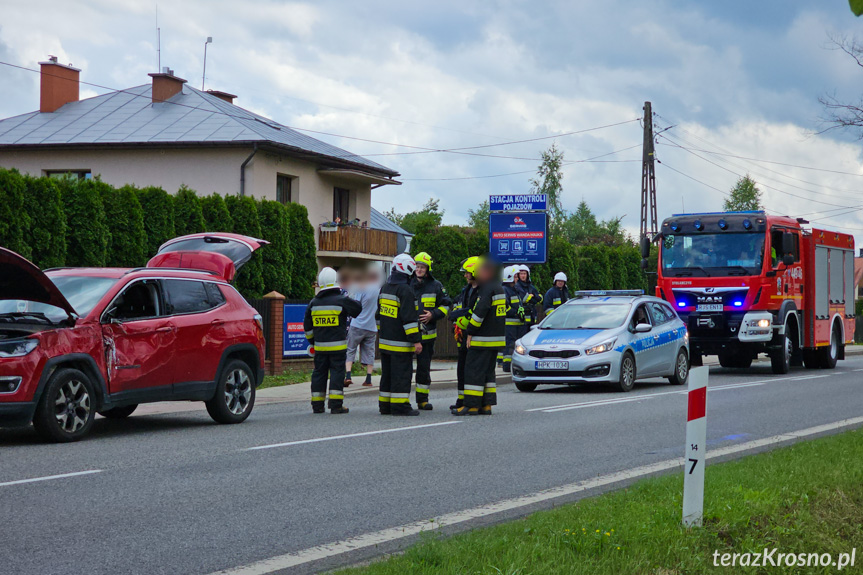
(158, 207)
(856, 6)
(188, 216)
(478, 218)
(430, 216)
(593, 267)
(617, 268)
(549, 180)
(47, 234)
(277, 258)
(217, 218)
(448, 247)
(87, 234)
(635, 277)
(14, 220)
(745, 196)
(125, 220)
(244, 213)
(581, 227)
(305, 264)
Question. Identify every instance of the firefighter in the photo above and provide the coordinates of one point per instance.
(459, 316)
(557, 294)
(432, 306)
(485, 336)
(399, 338)
(513, 319)
(530, 298)
(326, 327)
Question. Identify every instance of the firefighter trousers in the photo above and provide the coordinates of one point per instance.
(511, 336)
(395, 392)
(459, 373)
(423, 378)
(479, 379)
(332, 366)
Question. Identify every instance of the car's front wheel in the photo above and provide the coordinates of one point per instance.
(526, 387)
(67, 407)
(626, 381)
(235, 394)
(681, 369)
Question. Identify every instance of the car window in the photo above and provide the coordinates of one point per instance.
(139, 300)
(660, 313)
(185, 296)
(215, 294)
(587, 316)
(640, 316)
(82, 293)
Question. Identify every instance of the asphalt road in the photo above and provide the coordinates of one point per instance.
(177, 494)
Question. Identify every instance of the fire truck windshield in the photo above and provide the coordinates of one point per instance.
(723, 254)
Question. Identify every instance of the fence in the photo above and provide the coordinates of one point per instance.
(359, 240)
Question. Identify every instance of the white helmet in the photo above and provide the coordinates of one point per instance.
(560, 277)
(328, 279)
(523, 268)
(508, 274)
(404, 263)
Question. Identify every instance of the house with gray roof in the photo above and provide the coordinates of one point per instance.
(167, 133)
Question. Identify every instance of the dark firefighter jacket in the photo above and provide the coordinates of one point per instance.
(556, 297)
(326, 320)
(397, 316)
(526, 289)
(430, 296)
(513, 302)
(487, 326)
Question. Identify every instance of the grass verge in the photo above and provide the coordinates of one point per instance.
(304, 376)
(807, 498)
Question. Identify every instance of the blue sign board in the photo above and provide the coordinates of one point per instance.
(295, 342)
(518, 237)
(518, 203)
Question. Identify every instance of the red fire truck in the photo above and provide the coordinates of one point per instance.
(747, 283)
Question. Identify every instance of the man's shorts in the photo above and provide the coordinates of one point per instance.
(365, 341)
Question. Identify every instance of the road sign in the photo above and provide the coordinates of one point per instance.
(518, 237)
(518, 203)
(696, 448)
(295, 342)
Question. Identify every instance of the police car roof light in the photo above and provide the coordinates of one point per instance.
(611, 292)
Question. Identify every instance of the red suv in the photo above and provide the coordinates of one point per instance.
(79, 341)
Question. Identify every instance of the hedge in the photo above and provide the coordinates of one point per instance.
(448, 247)
(188, 217)
(217, 218)
(47, 234)
(87, 236)
(305, 265)
(158, 207)
(244, 213)
(14, 219)
(125, 220)
(276, 259)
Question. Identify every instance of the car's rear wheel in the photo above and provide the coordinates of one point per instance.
(235, 394)
(526, 387)
(829, 355)
(67, 407)
(627, 373)
(681, 369)
(119, 412)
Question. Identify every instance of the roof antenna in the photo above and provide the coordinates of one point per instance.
(204, 75)
(158, 41)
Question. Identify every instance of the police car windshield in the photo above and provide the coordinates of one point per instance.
(605, 315)
(723, 254)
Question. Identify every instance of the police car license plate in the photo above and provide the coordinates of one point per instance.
(552, 365)
(709, 307)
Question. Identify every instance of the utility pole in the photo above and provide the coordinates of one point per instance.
(649, 225)
(204, 75)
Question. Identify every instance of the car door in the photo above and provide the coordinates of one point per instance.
(644, 344)
(199, 323)
(139, 342)
(665, 336)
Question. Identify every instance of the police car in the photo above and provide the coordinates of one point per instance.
(613, 337)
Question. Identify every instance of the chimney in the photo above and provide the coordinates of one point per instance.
(166, 85)
(59, 85)
(229, 98)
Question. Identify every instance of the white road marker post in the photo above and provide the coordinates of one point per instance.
(696, 448)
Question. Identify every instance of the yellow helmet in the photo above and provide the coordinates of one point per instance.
(471, 264)
(423, 258)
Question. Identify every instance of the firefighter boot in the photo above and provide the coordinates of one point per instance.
(463, 410)
(425, 406)
(341, 409)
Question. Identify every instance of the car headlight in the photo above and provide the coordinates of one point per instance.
(519, 349)
(763, 323)
(17, 347)
(601, 348)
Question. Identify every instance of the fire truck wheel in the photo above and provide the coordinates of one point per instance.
(811, 359)
(780, 359)
(696, 360)
(829, 354)
(735, 360)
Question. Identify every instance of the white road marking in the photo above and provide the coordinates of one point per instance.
(600, 402)
(348, 436)
(387, 535)
(50, 477)
(858, 370)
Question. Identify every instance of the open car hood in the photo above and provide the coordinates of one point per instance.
(220, 253)
(20, 279)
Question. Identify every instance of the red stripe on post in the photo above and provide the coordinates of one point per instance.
(697, 404)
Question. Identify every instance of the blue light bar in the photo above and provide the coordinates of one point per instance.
(681, 304)
(738, 303)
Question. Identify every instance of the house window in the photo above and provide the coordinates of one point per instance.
(69, 174)
(341, 204)
(285, 188)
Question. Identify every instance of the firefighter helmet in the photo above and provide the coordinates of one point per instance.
(470, 265)
(560, 277)
(404, 263)
(424, 258)
(508, 274)
(328, 279)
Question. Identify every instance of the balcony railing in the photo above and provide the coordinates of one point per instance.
(358, 240)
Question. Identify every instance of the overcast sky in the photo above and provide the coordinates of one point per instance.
(737, 77)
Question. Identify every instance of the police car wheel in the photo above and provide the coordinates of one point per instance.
(627, 373)
(681, 369)
(525, 387)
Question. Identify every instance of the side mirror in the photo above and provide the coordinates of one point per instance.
(534, 326)
(788, 259)
(643, 328)
(645, 248)
(787, 243)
